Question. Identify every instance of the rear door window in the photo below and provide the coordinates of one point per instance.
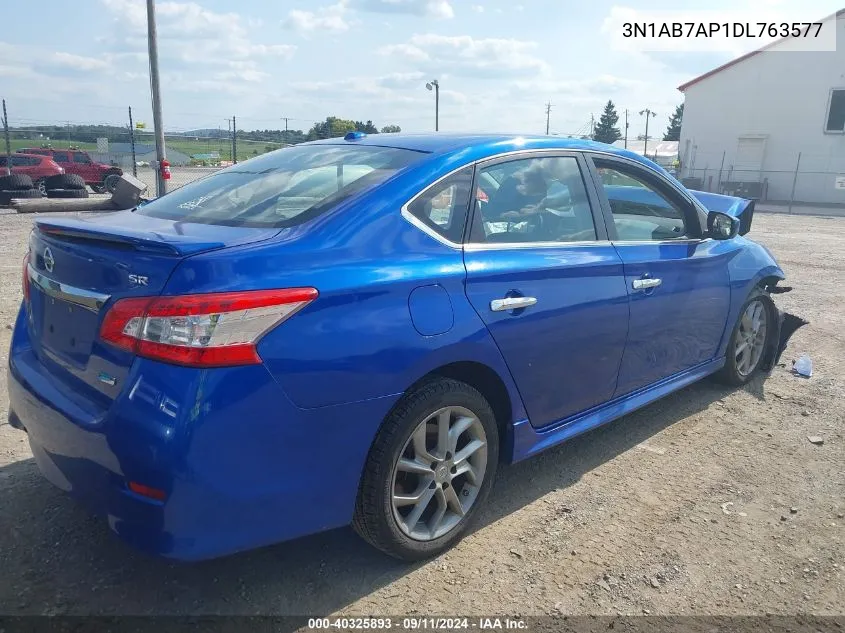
(282, 188)
(60, 157)
(443, 206)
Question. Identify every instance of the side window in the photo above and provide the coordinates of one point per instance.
(533, 200)
(60, 157)
(443, 206)
(23, 161)
(835, 122)
(640, 211)
(81, 157)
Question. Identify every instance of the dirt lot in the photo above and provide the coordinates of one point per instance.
(711, 501)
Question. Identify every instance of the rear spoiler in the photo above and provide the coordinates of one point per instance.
(737, 207)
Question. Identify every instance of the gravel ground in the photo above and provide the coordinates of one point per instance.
(711, 501)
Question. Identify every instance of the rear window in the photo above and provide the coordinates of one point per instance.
(282, 188)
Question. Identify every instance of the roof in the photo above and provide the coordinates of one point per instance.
(742, 58)
(481, 144)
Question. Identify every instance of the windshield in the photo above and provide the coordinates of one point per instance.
(281, 188)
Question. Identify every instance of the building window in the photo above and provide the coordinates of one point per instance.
(835, 123)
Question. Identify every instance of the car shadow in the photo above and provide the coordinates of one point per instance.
(59, 560)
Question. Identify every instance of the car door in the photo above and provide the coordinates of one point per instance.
(24, 165)
(62, 160)
(82, 165)
(546, 281)
(677, 280)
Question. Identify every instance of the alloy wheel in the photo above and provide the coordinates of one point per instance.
(750, 338)
(439, 473)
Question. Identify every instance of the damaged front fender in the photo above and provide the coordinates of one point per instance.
(786, 325)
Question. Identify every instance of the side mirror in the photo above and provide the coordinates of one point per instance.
(721, 226)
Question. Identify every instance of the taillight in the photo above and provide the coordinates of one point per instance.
(25, 277)
(205, 330)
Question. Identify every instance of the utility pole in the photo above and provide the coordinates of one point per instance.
(285, 119)
(626, 129)
(548, 114)
(8, 142)
(648, 113)
(234, 140)
(152, 43)
(592, 127)
(132, 143)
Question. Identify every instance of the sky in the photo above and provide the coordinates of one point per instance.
(498, 62)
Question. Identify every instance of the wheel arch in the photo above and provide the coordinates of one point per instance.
(489, 384)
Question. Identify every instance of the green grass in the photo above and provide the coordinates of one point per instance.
(186, 146)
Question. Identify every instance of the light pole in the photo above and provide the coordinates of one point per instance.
(158, 124)
(435, 85)
(648, 113)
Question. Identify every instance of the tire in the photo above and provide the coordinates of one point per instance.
(98, 188)
(737, 371)
(393, 529)
(67, 193)
(15, 182)
(110, 181)
(65, 181)
(6, 197)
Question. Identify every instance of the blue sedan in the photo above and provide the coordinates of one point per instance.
(361, 330)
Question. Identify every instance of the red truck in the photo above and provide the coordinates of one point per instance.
(99, 176)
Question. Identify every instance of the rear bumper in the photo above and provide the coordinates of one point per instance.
(241, 466)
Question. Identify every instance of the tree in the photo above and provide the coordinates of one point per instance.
(332, 127)
(673, 132)
(391, 129)
(606, 130)
(366, 128)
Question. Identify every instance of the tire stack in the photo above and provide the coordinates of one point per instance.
(16, 186)
(66, 186)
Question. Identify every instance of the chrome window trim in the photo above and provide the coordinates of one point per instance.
(87, 299)
(422, 226)
(482, 246)
(688, 240)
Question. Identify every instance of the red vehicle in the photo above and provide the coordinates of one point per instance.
(99, 176)
(36, 167)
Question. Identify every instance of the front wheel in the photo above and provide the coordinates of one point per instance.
(429, 471)
(749, 340)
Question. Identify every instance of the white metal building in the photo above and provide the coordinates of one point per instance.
(748, 120)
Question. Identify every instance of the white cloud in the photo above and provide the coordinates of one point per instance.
(77, 62)
(430, 8)
(465, 55)
(478, 8)
(331, 19)
(190, 33)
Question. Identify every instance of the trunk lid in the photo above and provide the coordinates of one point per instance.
(79, 266)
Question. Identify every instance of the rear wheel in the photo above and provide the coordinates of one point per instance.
(748, 341)
(429, 471)
(110, 182)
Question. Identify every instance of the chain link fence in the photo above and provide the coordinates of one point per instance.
(811, 180)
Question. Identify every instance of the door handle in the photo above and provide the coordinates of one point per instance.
(645, 284)
(511, 303)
